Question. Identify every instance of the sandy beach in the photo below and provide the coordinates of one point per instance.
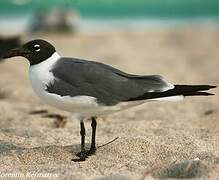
(155, 140)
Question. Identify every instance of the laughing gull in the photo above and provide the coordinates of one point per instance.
(91, 89)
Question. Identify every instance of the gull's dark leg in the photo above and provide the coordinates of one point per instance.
(93, 142)
(82, 155)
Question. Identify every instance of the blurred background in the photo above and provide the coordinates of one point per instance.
(130, 34)
(99, 15)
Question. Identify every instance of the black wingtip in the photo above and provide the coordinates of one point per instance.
(206, 87)
(199, 93)
(192, 90)
(210, 94)
(211, 87)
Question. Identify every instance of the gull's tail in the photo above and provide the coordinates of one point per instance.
(177, 93)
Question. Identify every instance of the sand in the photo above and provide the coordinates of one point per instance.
(156, 140)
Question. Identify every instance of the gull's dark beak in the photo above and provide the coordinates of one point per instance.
(16, 52)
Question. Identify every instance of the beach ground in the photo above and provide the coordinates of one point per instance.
(155, 140)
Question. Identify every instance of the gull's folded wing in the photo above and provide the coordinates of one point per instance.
(75, 77)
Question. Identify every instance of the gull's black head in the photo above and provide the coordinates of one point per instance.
(35, 51)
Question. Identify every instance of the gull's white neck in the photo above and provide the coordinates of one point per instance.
(40, 74)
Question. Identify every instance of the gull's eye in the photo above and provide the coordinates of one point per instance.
(37, 47)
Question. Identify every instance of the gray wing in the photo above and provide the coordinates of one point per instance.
(75, 77)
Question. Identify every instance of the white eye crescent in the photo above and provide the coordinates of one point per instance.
(37, 47)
